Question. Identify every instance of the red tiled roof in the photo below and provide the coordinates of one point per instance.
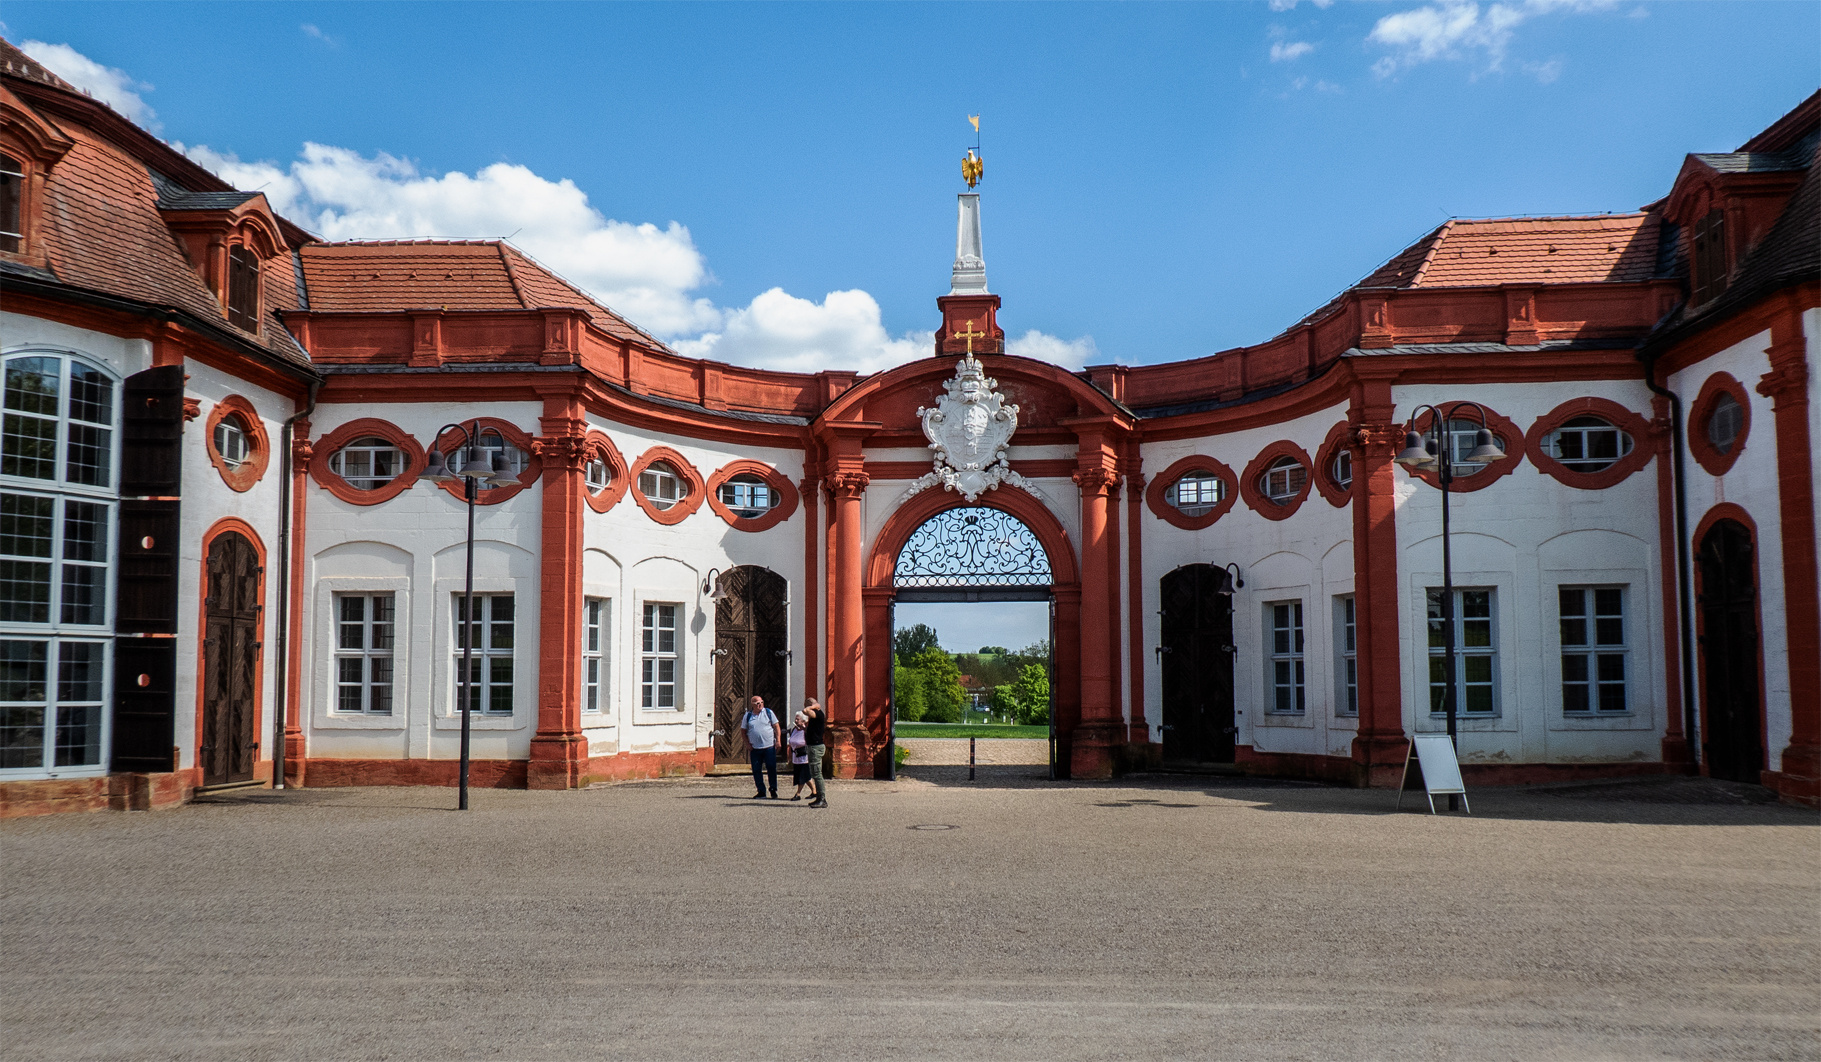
(18, 64)
(1611, 248)
(389, 275)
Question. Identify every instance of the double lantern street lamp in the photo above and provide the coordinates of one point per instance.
(1434, 451)
(472, 464)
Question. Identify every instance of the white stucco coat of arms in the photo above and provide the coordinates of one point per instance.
(970, 427)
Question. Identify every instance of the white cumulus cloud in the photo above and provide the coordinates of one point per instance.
(1459, 29)
(1286, 50)
(1071, 354)
(111, 85)
(1286, 5)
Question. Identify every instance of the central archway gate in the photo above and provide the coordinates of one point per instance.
(1025, 558)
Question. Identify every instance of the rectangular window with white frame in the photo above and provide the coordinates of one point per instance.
(51, 702)
(595, 639)
(493, 633)
(1346, 653)
(1475, 653)
(1285, 638)
(660, 663)
(1594, 650)
(365, 626)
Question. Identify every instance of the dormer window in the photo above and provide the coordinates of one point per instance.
(243, 287)
(1709, 266)
(12, 198)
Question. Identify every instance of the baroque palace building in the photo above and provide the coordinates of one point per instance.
(221, 562)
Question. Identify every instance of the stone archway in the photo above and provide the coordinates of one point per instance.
(879, 590)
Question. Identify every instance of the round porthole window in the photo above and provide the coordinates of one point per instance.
(748, 496)
(1725, 423)
(661, 485)
(1197, 493)
(231, 442)
(1283, 480)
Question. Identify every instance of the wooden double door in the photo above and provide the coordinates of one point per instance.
(1728, 604)
(1196, 658)
(230, 667)
(752, 654)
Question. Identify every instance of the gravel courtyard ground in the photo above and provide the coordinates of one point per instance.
(1012, 918)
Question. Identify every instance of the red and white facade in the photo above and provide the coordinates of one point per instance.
(646, 477)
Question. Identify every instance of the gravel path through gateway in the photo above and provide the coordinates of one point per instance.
(942, 751)
(917, 919)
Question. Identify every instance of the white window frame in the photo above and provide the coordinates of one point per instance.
(1278, 481)
(1346, 655)
(1286, 663)
(652, 656)
(485, 655)
(596, 475)
(660, 474)
(1203, 484)
(1433, 654)
(1736, 416)
(597, 635)
(1341, 456)
(338, 462)
(322, 666)
(754, 488)
(1586, 433)
(491, 443)
(52, 705)
(367, 656)
(1592, 648)
(232, 443)
(1461, 433)
(59, 480)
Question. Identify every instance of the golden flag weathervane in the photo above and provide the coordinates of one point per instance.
(973, 167)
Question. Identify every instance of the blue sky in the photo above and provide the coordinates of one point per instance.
(1162, 182)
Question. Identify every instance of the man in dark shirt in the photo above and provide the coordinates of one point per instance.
(814, 727)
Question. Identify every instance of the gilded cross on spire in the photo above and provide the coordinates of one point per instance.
(970, 335)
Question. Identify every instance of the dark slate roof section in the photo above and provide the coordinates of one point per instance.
(172, 196)
(1153, 412)
(1488, 348)
(1789, 254)
(730, 414)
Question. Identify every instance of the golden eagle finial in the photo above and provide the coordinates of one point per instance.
(973, 167)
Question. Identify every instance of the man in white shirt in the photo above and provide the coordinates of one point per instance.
(760, 729)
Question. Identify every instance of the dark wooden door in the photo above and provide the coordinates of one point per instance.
(1729, 653)
(230, 661)
(752, 639)
(1196, 648)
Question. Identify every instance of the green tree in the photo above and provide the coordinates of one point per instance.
(907, 694)
(943, 694)
(1005, 702)
(1031, 693)
(910, 641)
(992, 650)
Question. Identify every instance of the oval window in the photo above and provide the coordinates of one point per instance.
(1283, 480)
(596, 475)
(231, 442)
(1340, 470)
(512, 457)
(1462, 432)
(661, 485)
(1588, 444)
(748, 496)
(1197, 493)
(1725, 422)
(368, 463)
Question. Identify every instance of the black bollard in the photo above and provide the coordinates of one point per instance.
(970, 758)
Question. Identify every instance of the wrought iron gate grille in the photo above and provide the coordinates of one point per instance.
(972, 546)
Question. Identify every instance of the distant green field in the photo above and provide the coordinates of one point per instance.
(979, 730)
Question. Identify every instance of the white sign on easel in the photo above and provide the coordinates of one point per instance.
(1434, 755)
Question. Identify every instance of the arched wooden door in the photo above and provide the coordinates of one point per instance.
(1734, 739)
(230, 666)
(752, 642)
(1196, 650)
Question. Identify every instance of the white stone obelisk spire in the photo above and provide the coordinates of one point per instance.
(969, 277)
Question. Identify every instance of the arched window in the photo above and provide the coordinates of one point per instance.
(231, 441)
(12, 209)
(1724, 423)
(57, 530)
(368, 463)
(596, 475)
(243, 287)
(1588, 444)
(1283, 480)
(748, 496)
(1340, 469)
(661, 485)
(1197, 493)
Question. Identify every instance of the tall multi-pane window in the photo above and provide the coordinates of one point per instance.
(57, 518)
(659, 663)
(1346, 645)
(594, 654)
(1593, 648)
(12, 199)
(243, 288)
(1288, 692)
(492, 632)
(365, 626)
(1475, 649)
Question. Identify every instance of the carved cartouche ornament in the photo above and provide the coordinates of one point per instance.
(969, 428)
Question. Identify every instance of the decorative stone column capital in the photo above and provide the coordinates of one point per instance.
(1096, 481)
(848, 486)
(568, 452)
(1379, 440)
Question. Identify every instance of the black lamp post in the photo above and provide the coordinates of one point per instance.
(473, 465)
(1431, 452)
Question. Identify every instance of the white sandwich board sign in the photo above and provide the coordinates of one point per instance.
(1434, 756)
